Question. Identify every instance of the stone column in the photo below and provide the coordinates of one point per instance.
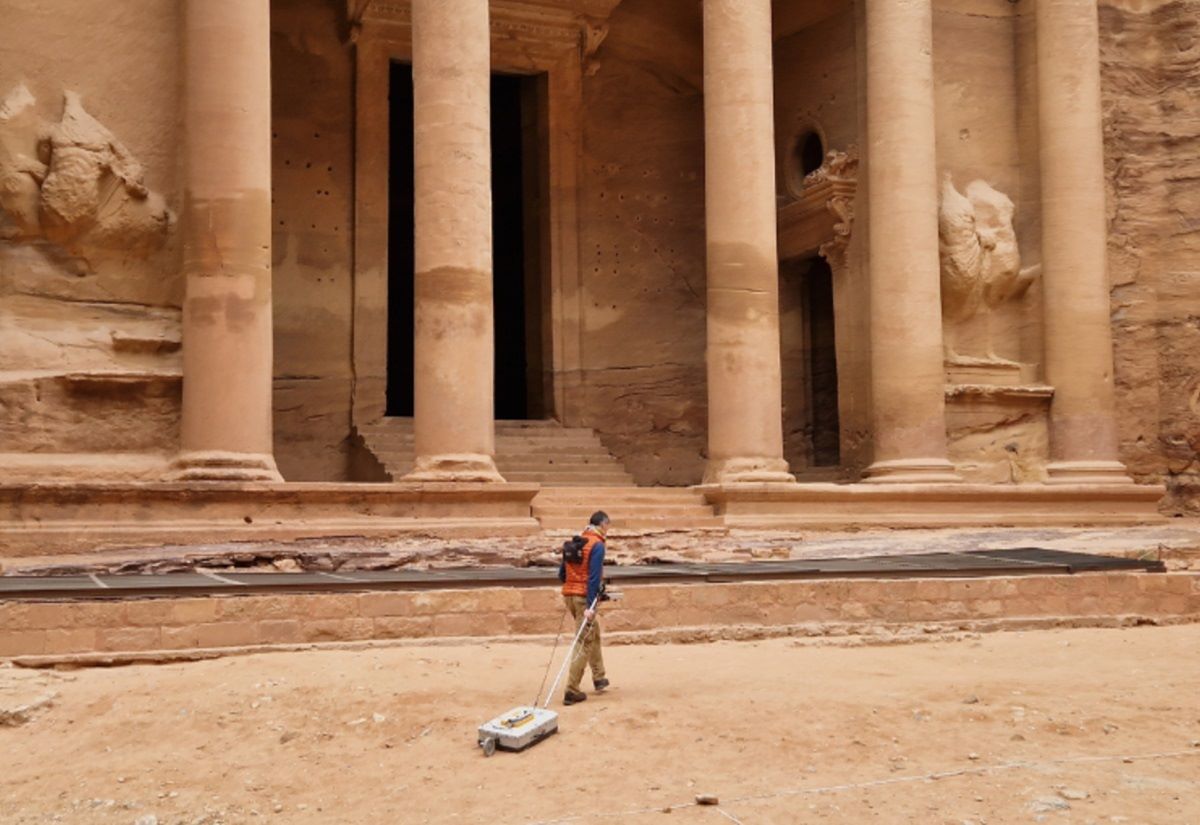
(907, 373)
(745, 419)
(453, 382)
(1078, 338)
(227, 347)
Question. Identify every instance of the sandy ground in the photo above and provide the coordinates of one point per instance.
(1177, 542)
(1078, 726)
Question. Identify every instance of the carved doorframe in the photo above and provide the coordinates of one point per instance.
(526, 39)
(818, 220)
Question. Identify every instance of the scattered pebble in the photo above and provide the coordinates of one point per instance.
(1073, 794)
(971, 700)
(1047, 804)
(707, 799)
(973, 756)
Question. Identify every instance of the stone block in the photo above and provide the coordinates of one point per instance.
(122, 639)
(22, 642)
(70, 640)
(431, 603)
(500, 600)
(324, 606)
(854, 610)
(619, 621)
(280, 631)
(949, 609)
(542, 622)
(22, 615)
(338, 630)
(186, 612)
(402, 627)
(541, 599)
(180, 638)
(470, 624)
(227, 634)
(374, 605)
(147, 612)
(1121, 584)
(1178, 584)
(93, 614)
(1174, 605)
(713, 596)
(934, 590)
(259, 608)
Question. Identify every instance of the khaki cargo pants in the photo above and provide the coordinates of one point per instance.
(587, 652)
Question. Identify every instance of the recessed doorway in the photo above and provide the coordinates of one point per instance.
(811, 423)
(519, 242)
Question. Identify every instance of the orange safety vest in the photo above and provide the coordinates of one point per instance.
(577, 573)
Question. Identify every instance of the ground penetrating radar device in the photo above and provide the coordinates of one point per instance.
(527, 725)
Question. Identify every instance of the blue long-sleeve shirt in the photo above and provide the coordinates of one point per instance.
(595, 572)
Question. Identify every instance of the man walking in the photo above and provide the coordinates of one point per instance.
(582, 581)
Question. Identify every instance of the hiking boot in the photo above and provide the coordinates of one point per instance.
(572, 697)
(600, 684)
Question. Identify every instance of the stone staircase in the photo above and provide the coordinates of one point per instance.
(632, 509)
(577, 473)
(540, 452)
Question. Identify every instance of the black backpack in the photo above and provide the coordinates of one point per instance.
(572, 550)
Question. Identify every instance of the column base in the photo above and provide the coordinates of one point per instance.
(748, 471)
(912, 471)
(218, 465)
(1087, 472)
(455, 467)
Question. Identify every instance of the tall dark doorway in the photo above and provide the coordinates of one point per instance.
(520, 292)
(812, 430)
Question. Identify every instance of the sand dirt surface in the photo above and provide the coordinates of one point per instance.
(1064, 726)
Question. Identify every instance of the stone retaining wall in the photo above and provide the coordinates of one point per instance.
(52, 628)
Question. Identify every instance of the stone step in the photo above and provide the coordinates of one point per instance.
(599, 464)
(651, 496)
(633, 524)
(505, 446)
(522, 453)
(583, 477)
(540, 432)
(636, 509)
(540, 452)
(549, 481)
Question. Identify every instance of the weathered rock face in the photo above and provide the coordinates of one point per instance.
(89, 284)
(642, 243)
(1151, 73)
(312, 96)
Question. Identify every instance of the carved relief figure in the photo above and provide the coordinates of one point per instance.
(841, 169)
(73, 183)
(981, 266)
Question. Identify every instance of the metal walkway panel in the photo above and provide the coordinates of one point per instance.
(1014, 561)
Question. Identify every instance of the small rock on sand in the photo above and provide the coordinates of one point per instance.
(1047, 804)
(707, 799)
(1073, 794)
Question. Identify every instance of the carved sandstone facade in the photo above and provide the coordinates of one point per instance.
(743, 243)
